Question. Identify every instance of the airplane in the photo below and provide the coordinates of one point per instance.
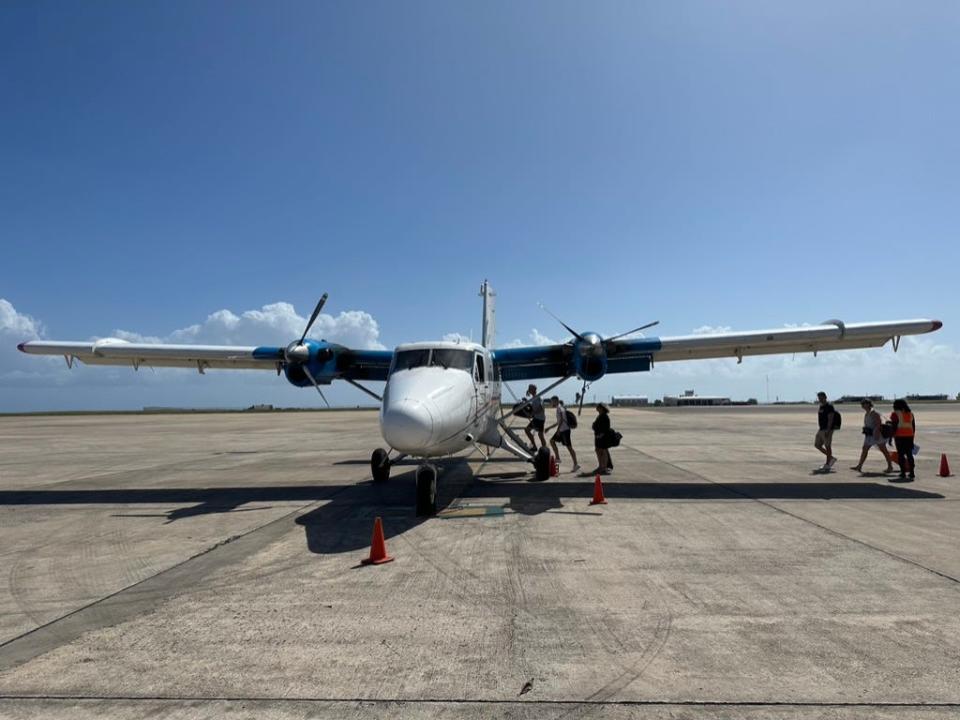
(441, 398)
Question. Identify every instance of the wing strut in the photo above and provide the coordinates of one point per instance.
(369, 392)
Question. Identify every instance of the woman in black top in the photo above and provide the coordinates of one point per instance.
(601, 432)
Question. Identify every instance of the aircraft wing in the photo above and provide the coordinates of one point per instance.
(639, 354)
(348, 363)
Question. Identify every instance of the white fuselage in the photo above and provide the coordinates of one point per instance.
(440, 398)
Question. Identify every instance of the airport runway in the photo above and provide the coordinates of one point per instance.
(195, 566)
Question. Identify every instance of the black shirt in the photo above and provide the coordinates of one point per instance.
(823, 413)
(601, 424)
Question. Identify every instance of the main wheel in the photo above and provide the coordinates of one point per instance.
(541, 464)
(380, 465)
(426, 490)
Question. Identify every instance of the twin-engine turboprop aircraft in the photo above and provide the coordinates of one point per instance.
(443, 397)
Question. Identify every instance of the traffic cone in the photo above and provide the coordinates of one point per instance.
(378, 546)
(598, 498)
(944, 466)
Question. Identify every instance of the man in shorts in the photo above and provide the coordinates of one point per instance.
(824, 439)
(538, 417)
(562, 433)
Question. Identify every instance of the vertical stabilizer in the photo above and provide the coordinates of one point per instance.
(489, 314)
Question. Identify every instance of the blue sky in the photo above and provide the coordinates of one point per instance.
(738, 165)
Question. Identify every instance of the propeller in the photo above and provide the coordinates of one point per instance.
(297, 351)
(316, 384)
(592, 345)
(313, 317)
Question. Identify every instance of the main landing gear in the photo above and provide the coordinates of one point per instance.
(541, 464)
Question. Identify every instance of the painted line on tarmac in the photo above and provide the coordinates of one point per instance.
(287, 699)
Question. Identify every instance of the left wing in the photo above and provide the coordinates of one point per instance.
(637, 355)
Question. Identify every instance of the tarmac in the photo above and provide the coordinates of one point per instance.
(208, 566)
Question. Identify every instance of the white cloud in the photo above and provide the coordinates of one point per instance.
(274, 324)
(536, 338)
(712, 330)
(18, 324)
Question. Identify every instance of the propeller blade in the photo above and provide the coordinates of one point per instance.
(569, 329)
(316, 312)
(315, 383)
(630, 332)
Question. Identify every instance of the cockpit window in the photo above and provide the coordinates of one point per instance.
(409, 359)
(452, 359)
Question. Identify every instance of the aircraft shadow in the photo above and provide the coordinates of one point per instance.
(345, 521)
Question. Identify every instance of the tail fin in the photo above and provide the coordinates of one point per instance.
(489, 314)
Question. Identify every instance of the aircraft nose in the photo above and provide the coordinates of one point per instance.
(408, 426)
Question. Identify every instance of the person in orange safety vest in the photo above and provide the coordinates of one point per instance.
(904, 429)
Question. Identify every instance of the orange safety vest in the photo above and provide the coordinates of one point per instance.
(904, 424)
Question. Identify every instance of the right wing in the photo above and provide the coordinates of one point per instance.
(350, 364)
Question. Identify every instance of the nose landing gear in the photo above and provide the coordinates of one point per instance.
(380, 465)
(426, 490)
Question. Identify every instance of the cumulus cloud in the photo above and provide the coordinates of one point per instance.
(712, 330)
(535, 338)
(274, 324)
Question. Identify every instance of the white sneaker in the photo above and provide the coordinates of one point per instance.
(830, 463)
(574, 468)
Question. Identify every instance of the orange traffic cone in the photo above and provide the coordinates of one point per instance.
(944, 466)
(378, 547)
(598, 498)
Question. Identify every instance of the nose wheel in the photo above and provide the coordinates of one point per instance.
(380, 465)
(426, 490)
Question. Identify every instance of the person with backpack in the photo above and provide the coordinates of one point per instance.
(904, 430)
(566, 421)
(828, 420)
(872, 435)
(604, 438)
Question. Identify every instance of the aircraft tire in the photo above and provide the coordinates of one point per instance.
(426, 490)
(380, 465)
(541, 464)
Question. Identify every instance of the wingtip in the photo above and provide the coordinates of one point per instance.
(937, 325)
(20, 347)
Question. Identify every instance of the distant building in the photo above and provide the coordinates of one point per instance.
(858, 398)
(690, 398)
(629, 400)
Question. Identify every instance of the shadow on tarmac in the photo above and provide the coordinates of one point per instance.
(345, 521)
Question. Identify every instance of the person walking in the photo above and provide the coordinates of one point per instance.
(826, 418)
(562, 433)
(538, 417)
(872, 435)
(602, 433)
(904, 430)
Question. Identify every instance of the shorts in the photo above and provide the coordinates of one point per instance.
(870, 441)
(824, 437)
(537, 424)
(563, 437)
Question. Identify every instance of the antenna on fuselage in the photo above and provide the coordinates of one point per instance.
(489, 314)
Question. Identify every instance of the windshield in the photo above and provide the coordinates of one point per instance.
(452, 359)
(448, 359)
(407, 359)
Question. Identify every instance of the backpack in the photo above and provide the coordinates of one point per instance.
(571, 419)
(837, 419)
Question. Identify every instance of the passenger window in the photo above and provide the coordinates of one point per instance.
(478, 373)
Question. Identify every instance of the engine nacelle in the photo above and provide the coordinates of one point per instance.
(589, 357)
(321, 361)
